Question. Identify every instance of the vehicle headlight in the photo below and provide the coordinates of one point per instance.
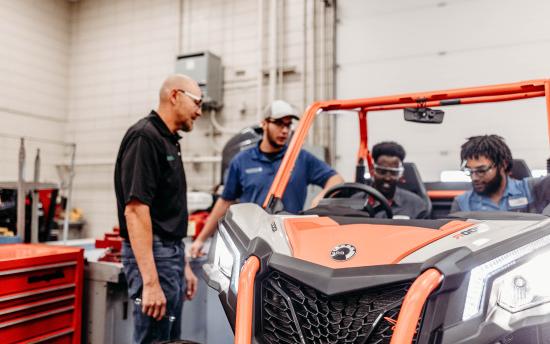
(223, 258)
(227, 258)
(517, 289)
(525, 286)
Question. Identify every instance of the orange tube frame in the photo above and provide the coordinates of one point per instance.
(245, 301)
(484, 94)
(444, 194)
(363, 154)
(416, 297)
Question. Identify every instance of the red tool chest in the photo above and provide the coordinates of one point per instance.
(40, 293)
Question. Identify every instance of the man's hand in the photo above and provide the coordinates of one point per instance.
(196, 248)
(334, 180)
(153, 301)
(191, 282)
(138, 220)
(315, 201)
(210, 226)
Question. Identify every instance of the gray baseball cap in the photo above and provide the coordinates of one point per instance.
(280, 109)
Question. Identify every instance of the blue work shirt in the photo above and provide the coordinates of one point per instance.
(251, 174)
(516, 197)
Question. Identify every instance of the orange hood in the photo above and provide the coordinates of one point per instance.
(313, 238)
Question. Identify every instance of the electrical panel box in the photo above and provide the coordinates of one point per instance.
(206, 69)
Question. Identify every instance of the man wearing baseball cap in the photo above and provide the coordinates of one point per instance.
(251, 172)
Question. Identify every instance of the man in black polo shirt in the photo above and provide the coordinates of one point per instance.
(151, 197)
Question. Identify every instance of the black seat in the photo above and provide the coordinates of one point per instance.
(246, 138)
(412, 182)
(520, 169)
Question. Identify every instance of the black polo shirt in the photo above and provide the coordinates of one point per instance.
(149, 168)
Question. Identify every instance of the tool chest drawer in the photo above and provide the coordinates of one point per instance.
(40, 293)
(26, 279)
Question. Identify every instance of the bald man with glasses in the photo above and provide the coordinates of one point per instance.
(151, 194)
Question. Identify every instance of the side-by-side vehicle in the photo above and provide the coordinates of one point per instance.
(337, 274)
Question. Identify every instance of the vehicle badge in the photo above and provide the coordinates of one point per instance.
(343, 252)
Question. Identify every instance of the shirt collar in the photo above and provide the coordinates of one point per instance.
(511, 189)
(258, 155)
(162, 128)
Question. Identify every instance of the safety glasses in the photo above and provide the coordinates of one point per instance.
(394, 172)
(478, 171)
(196, 99)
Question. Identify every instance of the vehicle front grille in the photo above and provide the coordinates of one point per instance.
(295, 313)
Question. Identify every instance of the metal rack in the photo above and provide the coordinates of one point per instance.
(23, 187)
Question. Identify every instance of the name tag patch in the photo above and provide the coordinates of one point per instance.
(170, 158)
(517, 202)
(253, 170)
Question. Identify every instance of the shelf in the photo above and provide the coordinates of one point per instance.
(29, 186)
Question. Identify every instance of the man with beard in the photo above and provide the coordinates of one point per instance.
(151, 199)
(488, 161)
(251, 172)
(388, 169)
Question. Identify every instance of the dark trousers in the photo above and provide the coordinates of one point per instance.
(170, 261)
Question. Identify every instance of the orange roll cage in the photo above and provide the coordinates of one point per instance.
(484, 94)
(429, 280)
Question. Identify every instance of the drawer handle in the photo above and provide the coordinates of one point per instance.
(46, 277)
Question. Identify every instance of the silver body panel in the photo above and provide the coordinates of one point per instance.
(481, 235)
(254, 221)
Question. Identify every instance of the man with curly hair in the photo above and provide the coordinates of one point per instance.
(488, 161)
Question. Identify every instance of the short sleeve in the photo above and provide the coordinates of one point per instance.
(140, 171)
(318, 172)
(232, 188)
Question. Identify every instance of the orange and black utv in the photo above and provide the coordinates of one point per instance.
(334, 276)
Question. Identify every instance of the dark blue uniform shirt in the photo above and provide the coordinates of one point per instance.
(251, 174)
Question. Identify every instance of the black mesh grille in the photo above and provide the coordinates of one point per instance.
(295, 313)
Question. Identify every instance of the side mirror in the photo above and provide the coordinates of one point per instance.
(423, 115)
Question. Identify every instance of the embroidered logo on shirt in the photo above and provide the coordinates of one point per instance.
(253, 170)
(517, 202)
(170, 158)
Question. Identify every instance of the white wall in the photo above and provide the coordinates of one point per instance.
(120, 51)
(85, 71)
(33, 84)
(426, 45)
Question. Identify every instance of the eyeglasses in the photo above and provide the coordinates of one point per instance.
(479, 171)
(196, 99)
(394, 172)
(282, 124)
